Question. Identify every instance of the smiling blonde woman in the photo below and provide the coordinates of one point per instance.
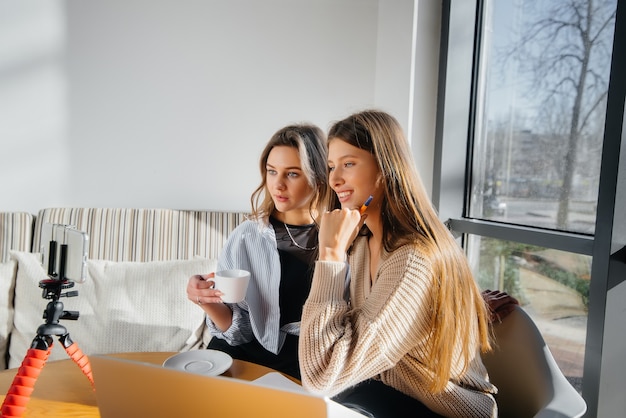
(407, 340)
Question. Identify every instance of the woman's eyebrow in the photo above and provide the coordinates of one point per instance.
(343, 157)
(285, 168)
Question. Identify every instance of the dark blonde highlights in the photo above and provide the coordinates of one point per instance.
(309, 141)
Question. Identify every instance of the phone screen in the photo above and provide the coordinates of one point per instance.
(57, 239)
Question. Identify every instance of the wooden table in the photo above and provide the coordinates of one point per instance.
(63, 390)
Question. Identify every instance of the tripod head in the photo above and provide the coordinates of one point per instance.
(54, 310)
(53, 290)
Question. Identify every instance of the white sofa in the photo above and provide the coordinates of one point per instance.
(134, 298)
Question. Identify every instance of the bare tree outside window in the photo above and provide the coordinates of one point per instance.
(542, 139)
(542, 80)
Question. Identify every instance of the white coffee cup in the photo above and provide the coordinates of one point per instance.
(232, 283)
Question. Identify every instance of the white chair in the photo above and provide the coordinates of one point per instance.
(529, 382)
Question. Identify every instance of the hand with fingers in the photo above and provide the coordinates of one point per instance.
(338, 228)
(200, 289)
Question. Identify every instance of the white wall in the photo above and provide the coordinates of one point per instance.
(163, 103)
(34, 155)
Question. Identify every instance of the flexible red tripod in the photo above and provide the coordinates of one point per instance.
(17, 397)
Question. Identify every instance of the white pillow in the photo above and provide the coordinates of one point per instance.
(7, 286)
(123, 306)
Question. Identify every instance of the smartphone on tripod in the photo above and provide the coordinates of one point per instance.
(64, 249)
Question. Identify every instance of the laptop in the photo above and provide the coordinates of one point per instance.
(126, 388)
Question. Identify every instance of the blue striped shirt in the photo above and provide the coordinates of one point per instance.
(252, 246)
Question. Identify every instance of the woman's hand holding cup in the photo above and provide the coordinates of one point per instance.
(201, 290)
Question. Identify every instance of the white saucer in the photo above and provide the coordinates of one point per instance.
(205, 362)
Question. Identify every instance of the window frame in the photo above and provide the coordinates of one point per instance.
(459, 52)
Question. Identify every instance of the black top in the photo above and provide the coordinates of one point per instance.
(297, 266)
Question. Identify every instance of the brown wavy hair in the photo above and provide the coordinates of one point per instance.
(310, 142)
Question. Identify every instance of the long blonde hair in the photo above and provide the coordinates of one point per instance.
(408, 216)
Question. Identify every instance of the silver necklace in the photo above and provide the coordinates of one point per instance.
(295, 243)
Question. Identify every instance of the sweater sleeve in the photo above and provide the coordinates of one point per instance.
(383, 332)
(341, 344)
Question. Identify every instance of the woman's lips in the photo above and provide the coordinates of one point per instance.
(344, 196)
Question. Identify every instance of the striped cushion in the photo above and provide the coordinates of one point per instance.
(16, 232)
(126, 234)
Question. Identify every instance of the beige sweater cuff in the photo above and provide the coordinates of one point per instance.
(329, 281)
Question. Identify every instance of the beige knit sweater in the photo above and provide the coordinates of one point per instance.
(382, 333)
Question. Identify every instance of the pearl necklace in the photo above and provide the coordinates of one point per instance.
(295, 243)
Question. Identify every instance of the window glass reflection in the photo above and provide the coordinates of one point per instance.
(551, 285)
(542, 86)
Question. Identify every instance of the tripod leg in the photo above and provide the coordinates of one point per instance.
(77, 355)
(23, 384)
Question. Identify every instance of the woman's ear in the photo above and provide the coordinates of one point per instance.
(379, 179)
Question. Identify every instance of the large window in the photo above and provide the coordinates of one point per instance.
(543, 74)
(532, 78)
(543, 80)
